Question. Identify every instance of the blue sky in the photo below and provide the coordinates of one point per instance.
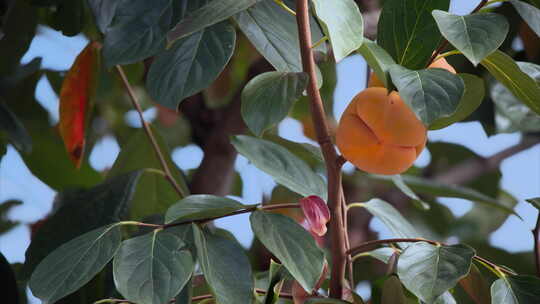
(521, 173)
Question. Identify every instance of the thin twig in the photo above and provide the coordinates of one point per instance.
(347, 241)
(333, 169)
(149, 133)
(444, 42)
(366, 245)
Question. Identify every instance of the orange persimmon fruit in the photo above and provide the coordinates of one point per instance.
(441, 63)
(379, 133)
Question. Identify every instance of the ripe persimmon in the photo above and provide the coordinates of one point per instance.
(379, 133)
(441, 63)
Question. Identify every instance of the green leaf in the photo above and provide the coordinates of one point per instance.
(400, 184)
(430, 93)
(506, 71)
(15, 130)
(382, 254)
(276, 274)
(378, 59)
(191, 64)
(74, 263)
(475, 35)
(137, 31)
(325, 301)
(268, 98)
(428, 270)
(342, 23)
(521, 118)
(422, 185)
(274, 33)
(392, 292)
(475, 286)
(446, 298)
(196, 207)
(9, 282)
(408, 32)
(535, 202)
(392, 219)
(6, 223)
(287, 169)
(80, 212)
(152, 268)
(103, 11)
(521, 289)
(529, 13)
(154, 194)
(291, 244)
(184, 297)
(469, 102)
(225, 267)
(207, 15)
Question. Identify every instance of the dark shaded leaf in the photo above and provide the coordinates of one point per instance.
(408, 32)
(516, 290)
(15, 130)
(475, 35)
(5, 223)
(475, 286)
(529, 13)
(104, 11)
(195, 207)
(191, 64)
(152, 268)
(535, 202)
(430, 93)
(291, 244)
(393, 292)
(225, 267)
(75, 263)
(428, 270)
(9, 283)
(268, 98)
(287, 169)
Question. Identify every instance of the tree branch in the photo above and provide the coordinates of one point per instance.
(150, 135)
(470, 169)
(333, 167)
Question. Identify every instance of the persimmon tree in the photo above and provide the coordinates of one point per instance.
(223, 74)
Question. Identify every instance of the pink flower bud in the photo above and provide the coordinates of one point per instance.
(317, 214)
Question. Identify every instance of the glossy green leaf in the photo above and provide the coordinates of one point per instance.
(195, 207)
(506, 71)
(408, 32)
(426, 186)
(211, 13)
(154, 194)
(268, 98)
(476, 35)
(378, 59)
(74, 263)
(343, 25)
(152, 268)
(274, 33)
(80, 212)
(392, 219)
(521, 289)
(469, 102)
(191, 64)
(286, 169)
(137, 31)
(15, 130)
(225, 267)
(392, 292)
(291, 244)
(519, 116)
(428, 270)
(430, 93)
(400, 184)
(104, 11)
(529, 13)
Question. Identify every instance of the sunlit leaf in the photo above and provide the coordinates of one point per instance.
(430, 270)
(291, 244)
(342, 23)
(408, 32)
(476, 35)
(430, 93)
(75, 101)
(152, 268)
(74, 263)
(195, 207)
(268, 98)
(378, 59)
